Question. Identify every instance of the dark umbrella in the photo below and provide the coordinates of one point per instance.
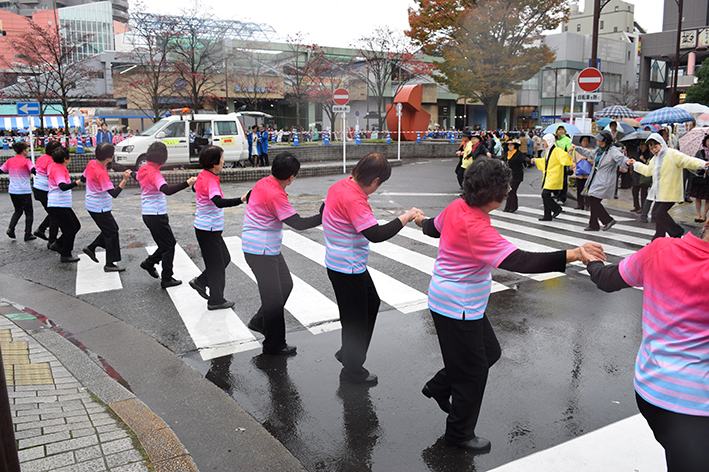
(636, 136)
(576, 139)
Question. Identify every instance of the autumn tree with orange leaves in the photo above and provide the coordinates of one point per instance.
(489, 47)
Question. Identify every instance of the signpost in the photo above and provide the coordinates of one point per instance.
(590, 80)
(29, 109)
(399, 107)
(341, 97)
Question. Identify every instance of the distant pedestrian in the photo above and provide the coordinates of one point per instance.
(263, 146)
(20, 169)
(209, 224)
(639, 183)
(470, 248)
(582, 168)
(40, 189)
(104, 136)
(700, 184)
(515, 160)
(253, 140)
(59, 204)
(261, 236)
(153, 189)
(552, 165)
(100, 193)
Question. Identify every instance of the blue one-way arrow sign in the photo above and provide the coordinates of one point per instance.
(27, 108)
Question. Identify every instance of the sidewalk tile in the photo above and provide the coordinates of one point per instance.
(28, 433)
(31, 453)
(119, 445)
(45, 439)
(71, 444)
(48, 463)
(123, 458)
(88, 453)
(134, 467)
(94, 465)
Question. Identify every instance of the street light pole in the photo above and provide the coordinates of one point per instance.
(556, 83)
(673, 98)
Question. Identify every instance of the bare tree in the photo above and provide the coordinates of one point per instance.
(627, 97)
(253, 73)
(328, 74)
(390, 62)
(298, 71)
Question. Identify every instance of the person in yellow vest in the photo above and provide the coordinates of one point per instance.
(551, 163)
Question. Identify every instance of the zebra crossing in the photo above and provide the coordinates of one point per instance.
(222, 332)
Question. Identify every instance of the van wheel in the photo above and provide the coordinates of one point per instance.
(229, 164)
(140, 163)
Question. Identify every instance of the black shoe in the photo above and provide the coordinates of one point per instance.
(113, 268)
(69, 259)
(477, 444)
(370, 379)
(201, 289)
(41, 235)
(636, 210)
(544, 219)
(53, 246)
(286, 351)
(609, 225)
(578, 208)
(171, 282)
(688, 200)
(10, 232)
(443, 403)
(30, 237)
(221, 306)
(588, 228)
(644, 220)
(90, 252)
(150, 269)
(556, 212)
(252, 326)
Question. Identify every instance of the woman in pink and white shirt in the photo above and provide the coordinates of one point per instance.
(460, 289)
(59, 204)
(20, 168)
(40, 188)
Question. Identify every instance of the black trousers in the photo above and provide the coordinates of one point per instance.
(358, 303)
(550, 204)
(216, 259)
(684, 437)
(639, 196)
(598, 212)
(580, 199)
(48, 222)
(274, 286)
(263, 159)
(469, 349)
(160, 230)
(108, 237)
(22, 204)
(512, 201)
(664, 224)
(69, 224)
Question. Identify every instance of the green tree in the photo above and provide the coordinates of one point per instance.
(699, 93)
(489, 47)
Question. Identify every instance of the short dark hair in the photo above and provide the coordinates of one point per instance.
(19, 146)
(210, 156)
(104, 151)
(51, 146)
(60, 154)
(370, 167)
(704, 142)
(285, 165)
(486, 180)
(157, 153)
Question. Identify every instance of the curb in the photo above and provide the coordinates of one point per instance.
(164, 449)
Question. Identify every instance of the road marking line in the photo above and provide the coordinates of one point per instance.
(311, 308)
(580, 219)
(393, 292)
(627, 445)
(90, 277)
(216, 333)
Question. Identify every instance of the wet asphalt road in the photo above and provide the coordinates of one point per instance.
(567, 349)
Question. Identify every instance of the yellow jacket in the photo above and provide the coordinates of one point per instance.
(554, 174)
(669, 186)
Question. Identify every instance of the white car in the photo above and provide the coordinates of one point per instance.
(185, 134)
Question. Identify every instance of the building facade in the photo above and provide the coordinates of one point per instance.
(27, 8)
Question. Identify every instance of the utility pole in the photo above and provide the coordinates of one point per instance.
(673, 98)
(594, 42)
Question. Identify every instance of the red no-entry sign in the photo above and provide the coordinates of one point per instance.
(341, 96)
(590, 79)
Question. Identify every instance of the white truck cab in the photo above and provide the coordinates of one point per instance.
(185, 134)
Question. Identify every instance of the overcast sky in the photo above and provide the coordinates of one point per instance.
(341, 25)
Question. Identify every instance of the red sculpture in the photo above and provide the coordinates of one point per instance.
(413, 117)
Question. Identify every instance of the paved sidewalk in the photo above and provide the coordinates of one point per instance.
(68, 414)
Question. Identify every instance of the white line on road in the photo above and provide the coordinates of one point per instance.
(311, 308)
(90, 277)
(215, 333)
(567, 216)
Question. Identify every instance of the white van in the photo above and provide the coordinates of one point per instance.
(185, 134)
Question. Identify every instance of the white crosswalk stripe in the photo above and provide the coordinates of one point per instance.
(215, 333)
(564, 216)
(311, 308)
(91, 278)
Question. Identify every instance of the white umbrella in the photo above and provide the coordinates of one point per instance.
(693, 108)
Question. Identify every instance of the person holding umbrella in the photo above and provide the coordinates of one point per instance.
(665, 168)
(605, 160)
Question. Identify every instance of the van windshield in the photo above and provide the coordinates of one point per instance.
(154, 128)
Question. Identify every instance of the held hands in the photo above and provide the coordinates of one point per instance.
(533, 160)
(590, 252)
(410, 216)
(630, 162)
(78, 181)
(419, 219)
(191, 181)
(126, 174)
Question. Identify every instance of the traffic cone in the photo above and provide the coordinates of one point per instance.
(295, 139)
(273, 136)
(326, 138)
(418, 136)
(79, 145)
(452, 137)
(388, 137)
(4, 144)
(357, 141)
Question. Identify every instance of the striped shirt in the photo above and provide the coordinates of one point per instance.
(56, 174)
(98, 200)
(208, 216)
(672, 366)
(268, 206)
(347, 213)
(19, 169)
(468, 251)
(41, 165)
(152, 199)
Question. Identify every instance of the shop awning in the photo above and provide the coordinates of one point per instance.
(24, 122)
